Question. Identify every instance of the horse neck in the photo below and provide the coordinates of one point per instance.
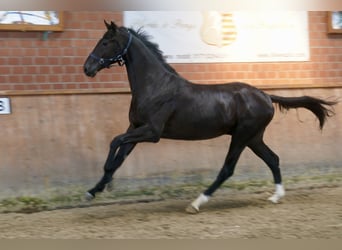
(144, 70)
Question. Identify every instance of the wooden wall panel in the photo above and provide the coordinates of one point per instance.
(59, 141)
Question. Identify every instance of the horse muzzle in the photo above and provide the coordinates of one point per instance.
(89, 72)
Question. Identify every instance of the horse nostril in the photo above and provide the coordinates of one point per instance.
(86, 71)
(89, 71)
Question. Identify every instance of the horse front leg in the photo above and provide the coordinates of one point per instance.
(113, 162)
(125, 143)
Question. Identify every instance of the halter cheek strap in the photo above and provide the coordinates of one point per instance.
(106, 62)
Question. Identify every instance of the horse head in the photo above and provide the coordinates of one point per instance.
(110, 49)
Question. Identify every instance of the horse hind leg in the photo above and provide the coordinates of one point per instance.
(278, 194)
(249, 133)
(272, 161)
(236, 148)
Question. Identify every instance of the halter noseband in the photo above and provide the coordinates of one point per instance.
(106, 62)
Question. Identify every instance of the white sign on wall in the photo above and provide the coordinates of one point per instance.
(5, 106)
(212, 36)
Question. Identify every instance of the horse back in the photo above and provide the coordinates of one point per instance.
(208, 111)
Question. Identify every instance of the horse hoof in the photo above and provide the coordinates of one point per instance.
(88, 196)
(110, 186)
(274, 199)
(192, 210)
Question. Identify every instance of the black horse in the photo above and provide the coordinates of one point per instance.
(165, 105)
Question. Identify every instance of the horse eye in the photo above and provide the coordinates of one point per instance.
(104, 43)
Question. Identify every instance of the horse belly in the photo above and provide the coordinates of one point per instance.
(195, 128)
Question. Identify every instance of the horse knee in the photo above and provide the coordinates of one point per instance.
(115, 143)
(155, 139)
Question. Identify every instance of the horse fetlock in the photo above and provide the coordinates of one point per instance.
(279, 193)
(89, 197)
(193, 208)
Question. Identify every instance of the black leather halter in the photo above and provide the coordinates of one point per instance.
(106, 62)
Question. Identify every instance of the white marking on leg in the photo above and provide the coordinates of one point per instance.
(279, 193)
(201, 199)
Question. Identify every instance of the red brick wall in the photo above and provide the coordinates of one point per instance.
(29, 63)
(58, 140)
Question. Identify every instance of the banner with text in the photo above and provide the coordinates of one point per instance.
(212, 36)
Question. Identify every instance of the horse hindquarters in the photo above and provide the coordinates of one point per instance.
(254, 116)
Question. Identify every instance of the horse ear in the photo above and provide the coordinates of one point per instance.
(107, 24)
(113, 25)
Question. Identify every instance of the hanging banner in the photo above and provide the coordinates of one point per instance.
(212, 36)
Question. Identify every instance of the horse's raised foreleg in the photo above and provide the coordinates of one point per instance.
(113, 162)
(124, 144)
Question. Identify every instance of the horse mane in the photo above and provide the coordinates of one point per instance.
(153, 47)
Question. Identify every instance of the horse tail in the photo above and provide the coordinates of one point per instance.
(322, 109)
